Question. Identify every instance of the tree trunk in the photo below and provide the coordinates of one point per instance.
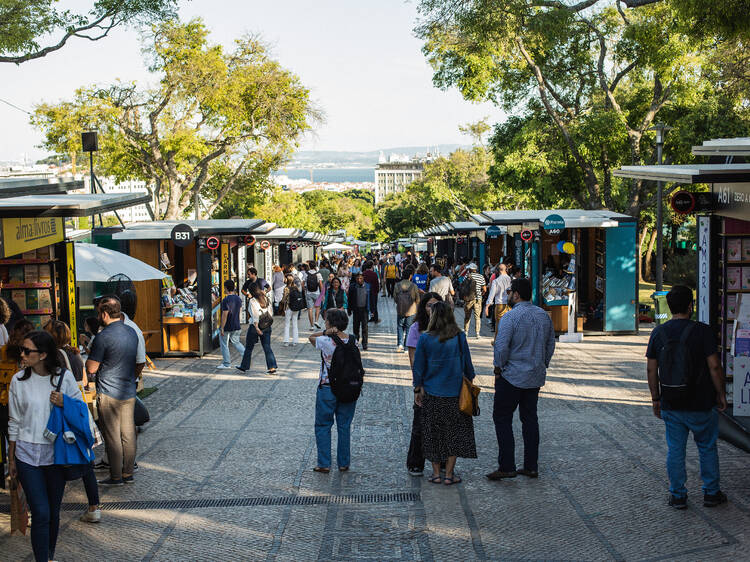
(73, 162)
(641, 242)
(648, 273)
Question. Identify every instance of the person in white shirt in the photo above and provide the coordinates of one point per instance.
(31, 456)
(259, 330)
(498, 296)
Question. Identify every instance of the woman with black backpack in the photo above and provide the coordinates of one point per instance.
(333, 398)
(259, 330)
(291, 303)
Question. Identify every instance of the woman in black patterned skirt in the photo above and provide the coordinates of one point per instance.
(441, 360)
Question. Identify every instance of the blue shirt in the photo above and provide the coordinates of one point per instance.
(524, 345)
(438, 366)
(232, 304)
(420, 280)
(115, 349)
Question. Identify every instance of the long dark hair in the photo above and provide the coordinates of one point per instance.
(423, 319)
(45, 343)
(259, 295)
(443, 322)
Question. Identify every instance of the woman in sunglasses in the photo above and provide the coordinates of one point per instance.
(31, 456)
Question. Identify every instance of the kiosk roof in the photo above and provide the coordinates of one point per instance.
(162, 230)
(688, 173)
(69, 205)
(574, 218)
(15, 186)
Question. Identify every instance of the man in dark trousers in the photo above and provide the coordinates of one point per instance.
(359, 307)
(687, 391)
(523, 349)
(371, 278)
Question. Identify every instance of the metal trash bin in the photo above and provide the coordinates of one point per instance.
(662, 313)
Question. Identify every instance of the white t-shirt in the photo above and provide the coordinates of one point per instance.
(326, 346)
(3, 334)
(256, 311)
(140, 355)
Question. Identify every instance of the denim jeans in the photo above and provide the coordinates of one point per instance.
(265, 341)
(507, 399)
(90, 485)
(403, 323)
(705, 428)
(224, 340)
(326, 407)
(44, 487)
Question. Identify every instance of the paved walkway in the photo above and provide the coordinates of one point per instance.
(226, 472)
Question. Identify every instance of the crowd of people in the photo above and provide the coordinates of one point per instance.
(340, 296)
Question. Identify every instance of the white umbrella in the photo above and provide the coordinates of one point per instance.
(335, 247)
(94, 263)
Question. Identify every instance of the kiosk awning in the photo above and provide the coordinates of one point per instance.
(724, 147)
(282, 234)
(688, 173)
(162, 230)
(69, 205)
(574, 218)
(14, 187)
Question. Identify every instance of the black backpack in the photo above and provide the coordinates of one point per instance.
(468, 290)
(296, 300)
(346, 374)
(312, 282)
(678, 369)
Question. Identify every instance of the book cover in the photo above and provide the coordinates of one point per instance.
(43, 253)
(742, 343)
(731, 307)
(19, 297)
(30, 255)
(36, 321)
(44, 298)
(44, 318)
(734, 278)
(31, 274)
(734, 249)
(15, 274)
(45, 274)
(32, 299)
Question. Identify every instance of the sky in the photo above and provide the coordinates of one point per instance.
(359, 58)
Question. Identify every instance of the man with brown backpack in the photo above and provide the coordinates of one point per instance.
(406, 295)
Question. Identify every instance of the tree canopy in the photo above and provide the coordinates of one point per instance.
(216, 122)
(585, 82)
(31, 29)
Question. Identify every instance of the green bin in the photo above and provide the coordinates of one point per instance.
(662, 313)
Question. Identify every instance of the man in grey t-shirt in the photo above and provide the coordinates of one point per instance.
(441, 285)
(112, 362)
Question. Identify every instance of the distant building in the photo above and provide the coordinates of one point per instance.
(393, 176)
(110, 185)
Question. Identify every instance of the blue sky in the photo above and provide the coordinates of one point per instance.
(360, 59)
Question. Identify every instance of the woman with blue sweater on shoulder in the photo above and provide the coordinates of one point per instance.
(441, 360)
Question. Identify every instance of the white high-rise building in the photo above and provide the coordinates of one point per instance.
(393, 176)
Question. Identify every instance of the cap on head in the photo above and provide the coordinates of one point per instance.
(471, 266)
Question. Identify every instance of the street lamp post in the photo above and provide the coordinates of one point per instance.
(661, 129)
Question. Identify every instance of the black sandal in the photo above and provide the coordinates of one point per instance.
(321, 469)
(450, 480)
(435, 479)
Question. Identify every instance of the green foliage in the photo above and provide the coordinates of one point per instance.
(585, 82)
(321, 211)
(216, 123)
(681, 269)
(31, 29)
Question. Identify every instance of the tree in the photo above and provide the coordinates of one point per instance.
(601, 72)
(27, 25)
(235, 114)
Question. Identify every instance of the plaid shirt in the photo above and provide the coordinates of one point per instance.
(524, 345)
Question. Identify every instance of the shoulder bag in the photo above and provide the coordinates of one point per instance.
(468, 399)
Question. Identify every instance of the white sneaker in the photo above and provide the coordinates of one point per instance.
(400, 349)
(294, 344)
(286, 344)
(222, 366)
(91, 516)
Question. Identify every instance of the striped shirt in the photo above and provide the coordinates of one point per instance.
(480, 283)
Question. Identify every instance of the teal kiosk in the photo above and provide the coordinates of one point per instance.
(582, 265)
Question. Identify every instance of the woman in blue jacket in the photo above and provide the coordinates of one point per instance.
(335, 297)
(441, 360)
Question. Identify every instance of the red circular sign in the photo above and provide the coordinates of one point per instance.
(212, 243)
(250, 240)
(265, 244)
(683, 202)
(526, 235)
(293, 247)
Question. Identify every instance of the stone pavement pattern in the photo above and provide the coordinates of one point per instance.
(226, 472)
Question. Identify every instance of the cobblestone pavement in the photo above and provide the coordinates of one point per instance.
(226, 472)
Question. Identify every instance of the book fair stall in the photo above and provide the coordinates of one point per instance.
(722, 218)
(37, 262)
(581, 263)
(183, 309)
(458, 240)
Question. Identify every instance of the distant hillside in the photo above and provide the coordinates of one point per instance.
(338, 158)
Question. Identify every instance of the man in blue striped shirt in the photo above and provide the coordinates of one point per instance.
(523, 349)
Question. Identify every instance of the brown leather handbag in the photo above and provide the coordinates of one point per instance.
(468, 399)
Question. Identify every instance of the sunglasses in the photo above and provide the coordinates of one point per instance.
(28, 351)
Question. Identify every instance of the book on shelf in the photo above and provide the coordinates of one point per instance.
(45, 253)
(32, 299)
(734, 249)
(44, 298)
(19, 297)
(15, 274)
(30, 255)
(31, 273)
(36, 321)
(45, 274)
